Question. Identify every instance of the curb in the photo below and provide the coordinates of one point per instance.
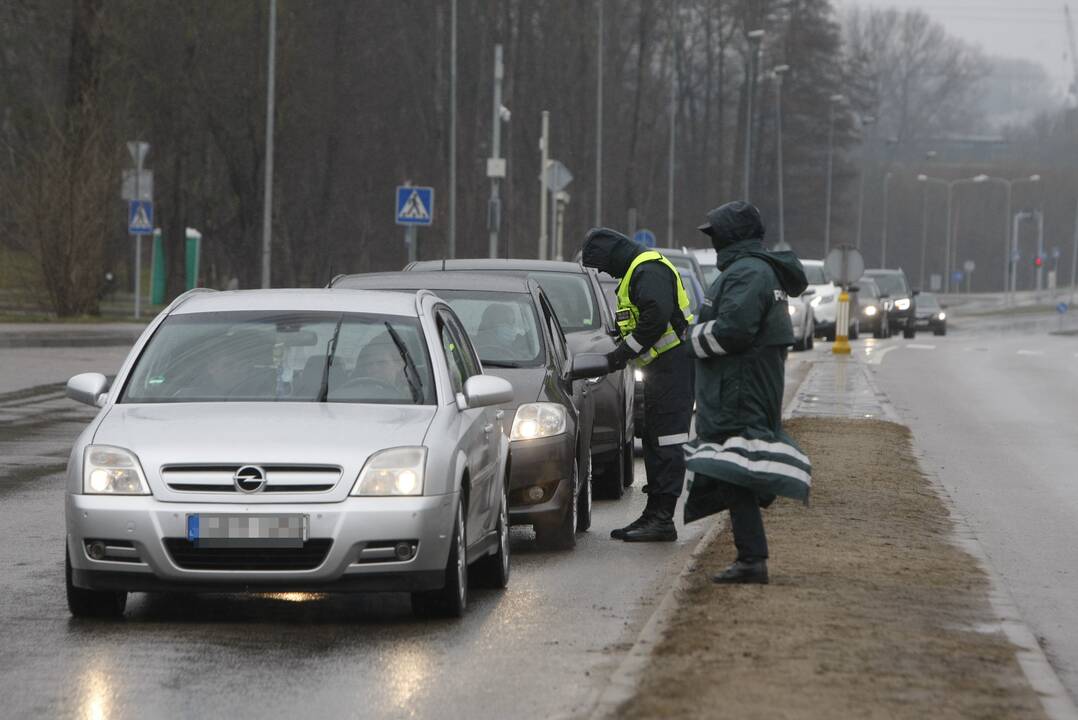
(623, 683)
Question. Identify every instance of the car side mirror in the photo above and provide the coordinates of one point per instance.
(588, 365)
(916, 293)
(486, 390)
(854, 288)
(88, 388)
(808, 291)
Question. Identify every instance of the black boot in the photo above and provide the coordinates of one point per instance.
(619, 533)
(660, 526)
(753, 572)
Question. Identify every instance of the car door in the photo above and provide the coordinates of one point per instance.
(621, 381)
(576, 393)
(477, 426)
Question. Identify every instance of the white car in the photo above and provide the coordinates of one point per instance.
(824, 301)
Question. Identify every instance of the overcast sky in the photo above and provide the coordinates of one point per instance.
(1031, 29)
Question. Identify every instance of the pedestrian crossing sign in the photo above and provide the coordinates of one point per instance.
(415, 205)
(140, 217)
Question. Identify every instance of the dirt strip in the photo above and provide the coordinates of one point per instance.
(872, 611)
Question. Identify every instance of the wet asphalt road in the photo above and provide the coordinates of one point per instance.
(542, 648)
(994, 411)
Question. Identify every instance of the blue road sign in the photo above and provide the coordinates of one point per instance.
(1056, 253)
(644, 237)
(1061, 308)
(140, 217)
(415, 205)
(957, 276)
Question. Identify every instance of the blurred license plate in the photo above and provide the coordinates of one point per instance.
(250, 531)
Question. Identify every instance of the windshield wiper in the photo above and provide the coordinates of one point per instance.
(410, 372)
(331, 351)
(501, 363)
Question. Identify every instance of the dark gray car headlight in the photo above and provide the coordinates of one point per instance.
(395, 471)
(538, 420)
(110, 470)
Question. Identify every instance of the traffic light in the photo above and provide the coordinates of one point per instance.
(1038, 261)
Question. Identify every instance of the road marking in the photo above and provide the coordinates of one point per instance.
(915, 346)
(876, 356)
(1031, 352)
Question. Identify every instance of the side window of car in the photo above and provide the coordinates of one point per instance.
(468, 360)
(453, 357)
(557, 339)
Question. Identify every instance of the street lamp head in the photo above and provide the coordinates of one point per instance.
(780, 69)
(504, 114)
(980, 178)
(930, 154)
(1034, 178)
(837, 98)
(922, 178)
(755, 35)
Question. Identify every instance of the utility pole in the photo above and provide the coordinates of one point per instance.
(1074, 255)
(544, 160)
(267, 191)
(924, 233)
(451, 251)
(755, 38)
(777, 72)
(599, 128)
(883, 234)
(673, 145)
(496, 165)
(866, 121)
(830, 170)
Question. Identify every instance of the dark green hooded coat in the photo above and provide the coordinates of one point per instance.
(740, 341)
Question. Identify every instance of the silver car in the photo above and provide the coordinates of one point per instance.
(279, 440)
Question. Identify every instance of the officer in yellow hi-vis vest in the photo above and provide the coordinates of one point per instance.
(653, 314)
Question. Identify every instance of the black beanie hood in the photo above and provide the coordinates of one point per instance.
(609, 251)
(734, 221)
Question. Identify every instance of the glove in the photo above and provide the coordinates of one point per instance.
(616, 360)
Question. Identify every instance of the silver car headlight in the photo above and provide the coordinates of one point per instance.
(538, 420)
(110, 470)
(792, 309)
(903, 304)
(943, 316)
(638, 375)
(396, 471)
(870, 310)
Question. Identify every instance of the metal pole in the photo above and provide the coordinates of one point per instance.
(1074, 255)
(1040, 249)
(412, 240)
(883, 236)
(136, 236)
(496, 149)
(778, 156)
(267, 190)
(830, 168)
(451, 250)
(947, 240)
(599, 128)
(544, 159)
(754, 48)
(1011, 262)
(924, 234)
(673, 145)
(1006, 233)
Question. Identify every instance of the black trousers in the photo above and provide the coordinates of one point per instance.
(668, 399)
(746, 521)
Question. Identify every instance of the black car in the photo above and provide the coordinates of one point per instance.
(516, 333)
(589, 326)
(895, 286)
(930, 314)
(873, 308)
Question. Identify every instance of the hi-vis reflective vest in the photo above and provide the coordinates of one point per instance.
(628, 314)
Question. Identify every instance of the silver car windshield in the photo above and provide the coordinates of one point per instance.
(502, 325)
(281, 357)
(816, 275)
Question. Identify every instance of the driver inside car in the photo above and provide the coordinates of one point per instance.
(381, 362)
(498, 329)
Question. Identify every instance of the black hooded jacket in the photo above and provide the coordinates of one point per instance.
(653, 288)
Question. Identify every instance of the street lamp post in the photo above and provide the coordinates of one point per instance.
(755, 38)
(866, 121)
(267, 190)
(950, 238)
(883, 235)
(777, 72)
(599, 127)
(830, 169)
(1009, 185)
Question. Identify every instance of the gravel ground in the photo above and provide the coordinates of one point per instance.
(872, 611)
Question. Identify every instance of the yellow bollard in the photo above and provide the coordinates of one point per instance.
(842, 325)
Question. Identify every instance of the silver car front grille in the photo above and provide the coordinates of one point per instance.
(278, 478)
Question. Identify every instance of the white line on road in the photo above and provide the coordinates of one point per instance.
(876, 356)
(915, 346)
(1031, 352)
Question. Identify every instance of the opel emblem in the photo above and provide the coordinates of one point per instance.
(249, 479)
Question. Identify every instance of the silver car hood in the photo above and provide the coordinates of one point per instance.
(262, 433)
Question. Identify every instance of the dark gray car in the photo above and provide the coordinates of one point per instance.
(515, 331)
(589, 326)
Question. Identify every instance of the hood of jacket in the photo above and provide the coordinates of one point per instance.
(732, 222)
(609, 251)
(787, 267)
